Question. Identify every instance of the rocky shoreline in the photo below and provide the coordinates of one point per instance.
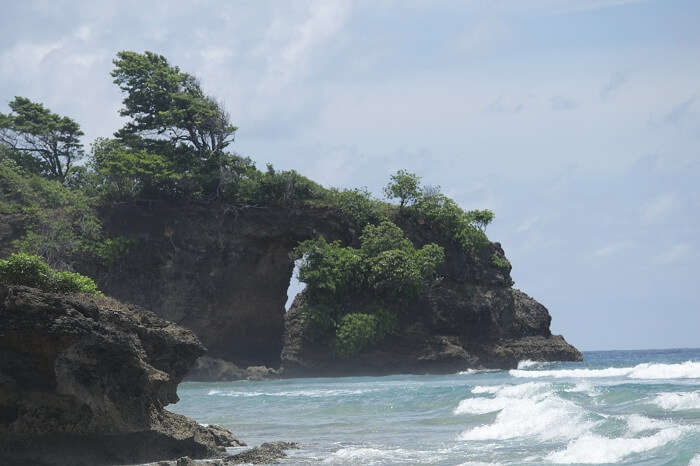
(85, 380)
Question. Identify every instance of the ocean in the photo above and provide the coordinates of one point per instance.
(620, 407)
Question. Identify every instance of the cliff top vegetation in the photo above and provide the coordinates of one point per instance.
(176, 146)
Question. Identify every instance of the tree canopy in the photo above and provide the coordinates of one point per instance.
(51, 140)
(168, 109)
(405, 186)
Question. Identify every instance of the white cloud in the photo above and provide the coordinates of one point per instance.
(674, 254)
(527, 224)
(612, 249)
(289, 45)
(660, 208)
(26, 56)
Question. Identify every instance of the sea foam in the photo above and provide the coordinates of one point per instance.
(685, 370)
(593, 449)
(372, 455)
(527, 363)
(637, 423)
(530, 409)
(678, 401)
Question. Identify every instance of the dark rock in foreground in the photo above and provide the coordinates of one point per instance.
(207, 369)
(267, 453)
(83, 381)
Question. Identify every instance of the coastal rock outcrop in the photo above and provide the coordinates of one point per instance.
(84, 379)
(450, 327)
(223, 271)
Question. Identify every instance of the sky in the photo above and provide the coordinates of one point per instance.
(576, 121)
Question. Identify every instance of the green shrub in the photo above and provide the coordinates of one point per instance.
(285, 188)
(356, 205)
(386, 236)
(124, 173)
(355, 332)
(31, 270)
(26, 270)
(62, 225)
(329, 268)
(386, 265)
(444, 215)
(71, 282)
(318, 321)
(395, 272)
(500, 262)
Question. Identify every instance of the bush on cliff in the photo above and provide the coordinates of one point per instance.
(386, 265)
(356, 205)
(356, 331)
(30, 270)
(466, 228)
(381, 275)
(60, 223)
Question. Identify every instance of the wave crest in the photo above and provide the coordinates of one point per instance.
(685, 370)
(530, 409)
(594, 449)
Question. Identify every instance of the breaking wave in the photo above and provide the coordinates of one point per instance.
(593, 449)
(685, 370)
(530, 409)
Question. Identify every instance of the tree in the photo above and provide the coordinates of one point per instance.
(405, 186)
(480, 218)
(52, 140)
(169, 108)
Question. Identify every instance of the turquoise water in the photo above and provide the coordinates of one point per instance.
(622, 407)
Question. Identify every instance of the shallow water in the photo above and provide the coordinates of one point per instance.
(622, 407)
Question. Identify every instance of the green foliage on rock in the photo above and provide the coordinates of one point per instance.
(329, 269)
(386, 265)
(60, 223)
(356, 205)
(31, 270)
(386, 236)
(40, 140)
(500, 262)
(383, 273)
(124, 173)
(281, 188)
(174, 124)
(444, 215)
(403, 186)
(356, 331)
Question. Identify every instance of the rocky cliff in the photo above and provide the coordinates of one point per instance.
(223, 271)
(84, 379)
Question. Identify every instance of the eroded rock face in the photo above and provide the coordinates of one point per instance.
(83, 380)
(221, 271)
